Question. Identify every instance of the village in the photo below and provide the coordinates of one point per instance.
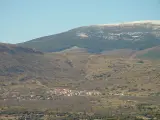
(47, 95)
(69, 92)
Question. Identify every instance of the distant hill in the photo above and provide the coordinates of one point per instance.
(137, 35)
(74, 49)
(25, 64)
(14, 49)
(150, 53)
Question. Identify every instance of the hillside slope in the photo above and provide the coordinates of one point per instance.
(98, 38)
(22, 64)
(71, 81)
(150, 53)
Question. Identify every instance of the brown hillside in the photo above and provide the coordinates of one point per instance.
(26, 76)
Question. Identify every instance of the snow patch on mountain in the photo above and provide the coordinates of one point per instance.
(82, 35)
(156, 22)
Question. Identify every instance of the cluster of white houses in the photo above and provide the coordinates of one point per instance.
(69, 92)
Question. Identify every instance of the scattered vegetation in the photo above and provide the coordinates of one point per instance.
(28, 81)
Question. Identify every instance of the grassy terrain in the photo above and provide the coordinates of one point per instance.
(140, 112)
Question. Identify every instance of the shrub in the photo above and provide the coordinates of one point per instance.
(140, 61)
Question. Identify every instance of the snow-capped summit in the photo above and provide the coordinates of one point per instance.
(156, 22)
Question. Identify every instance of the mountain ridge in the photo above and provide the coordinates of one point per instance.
(134, 22)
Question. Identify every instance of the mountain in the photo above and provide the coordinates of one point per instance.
(138, 35)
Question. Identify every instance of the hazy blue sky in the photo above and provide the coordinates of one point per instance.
(22, 20)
